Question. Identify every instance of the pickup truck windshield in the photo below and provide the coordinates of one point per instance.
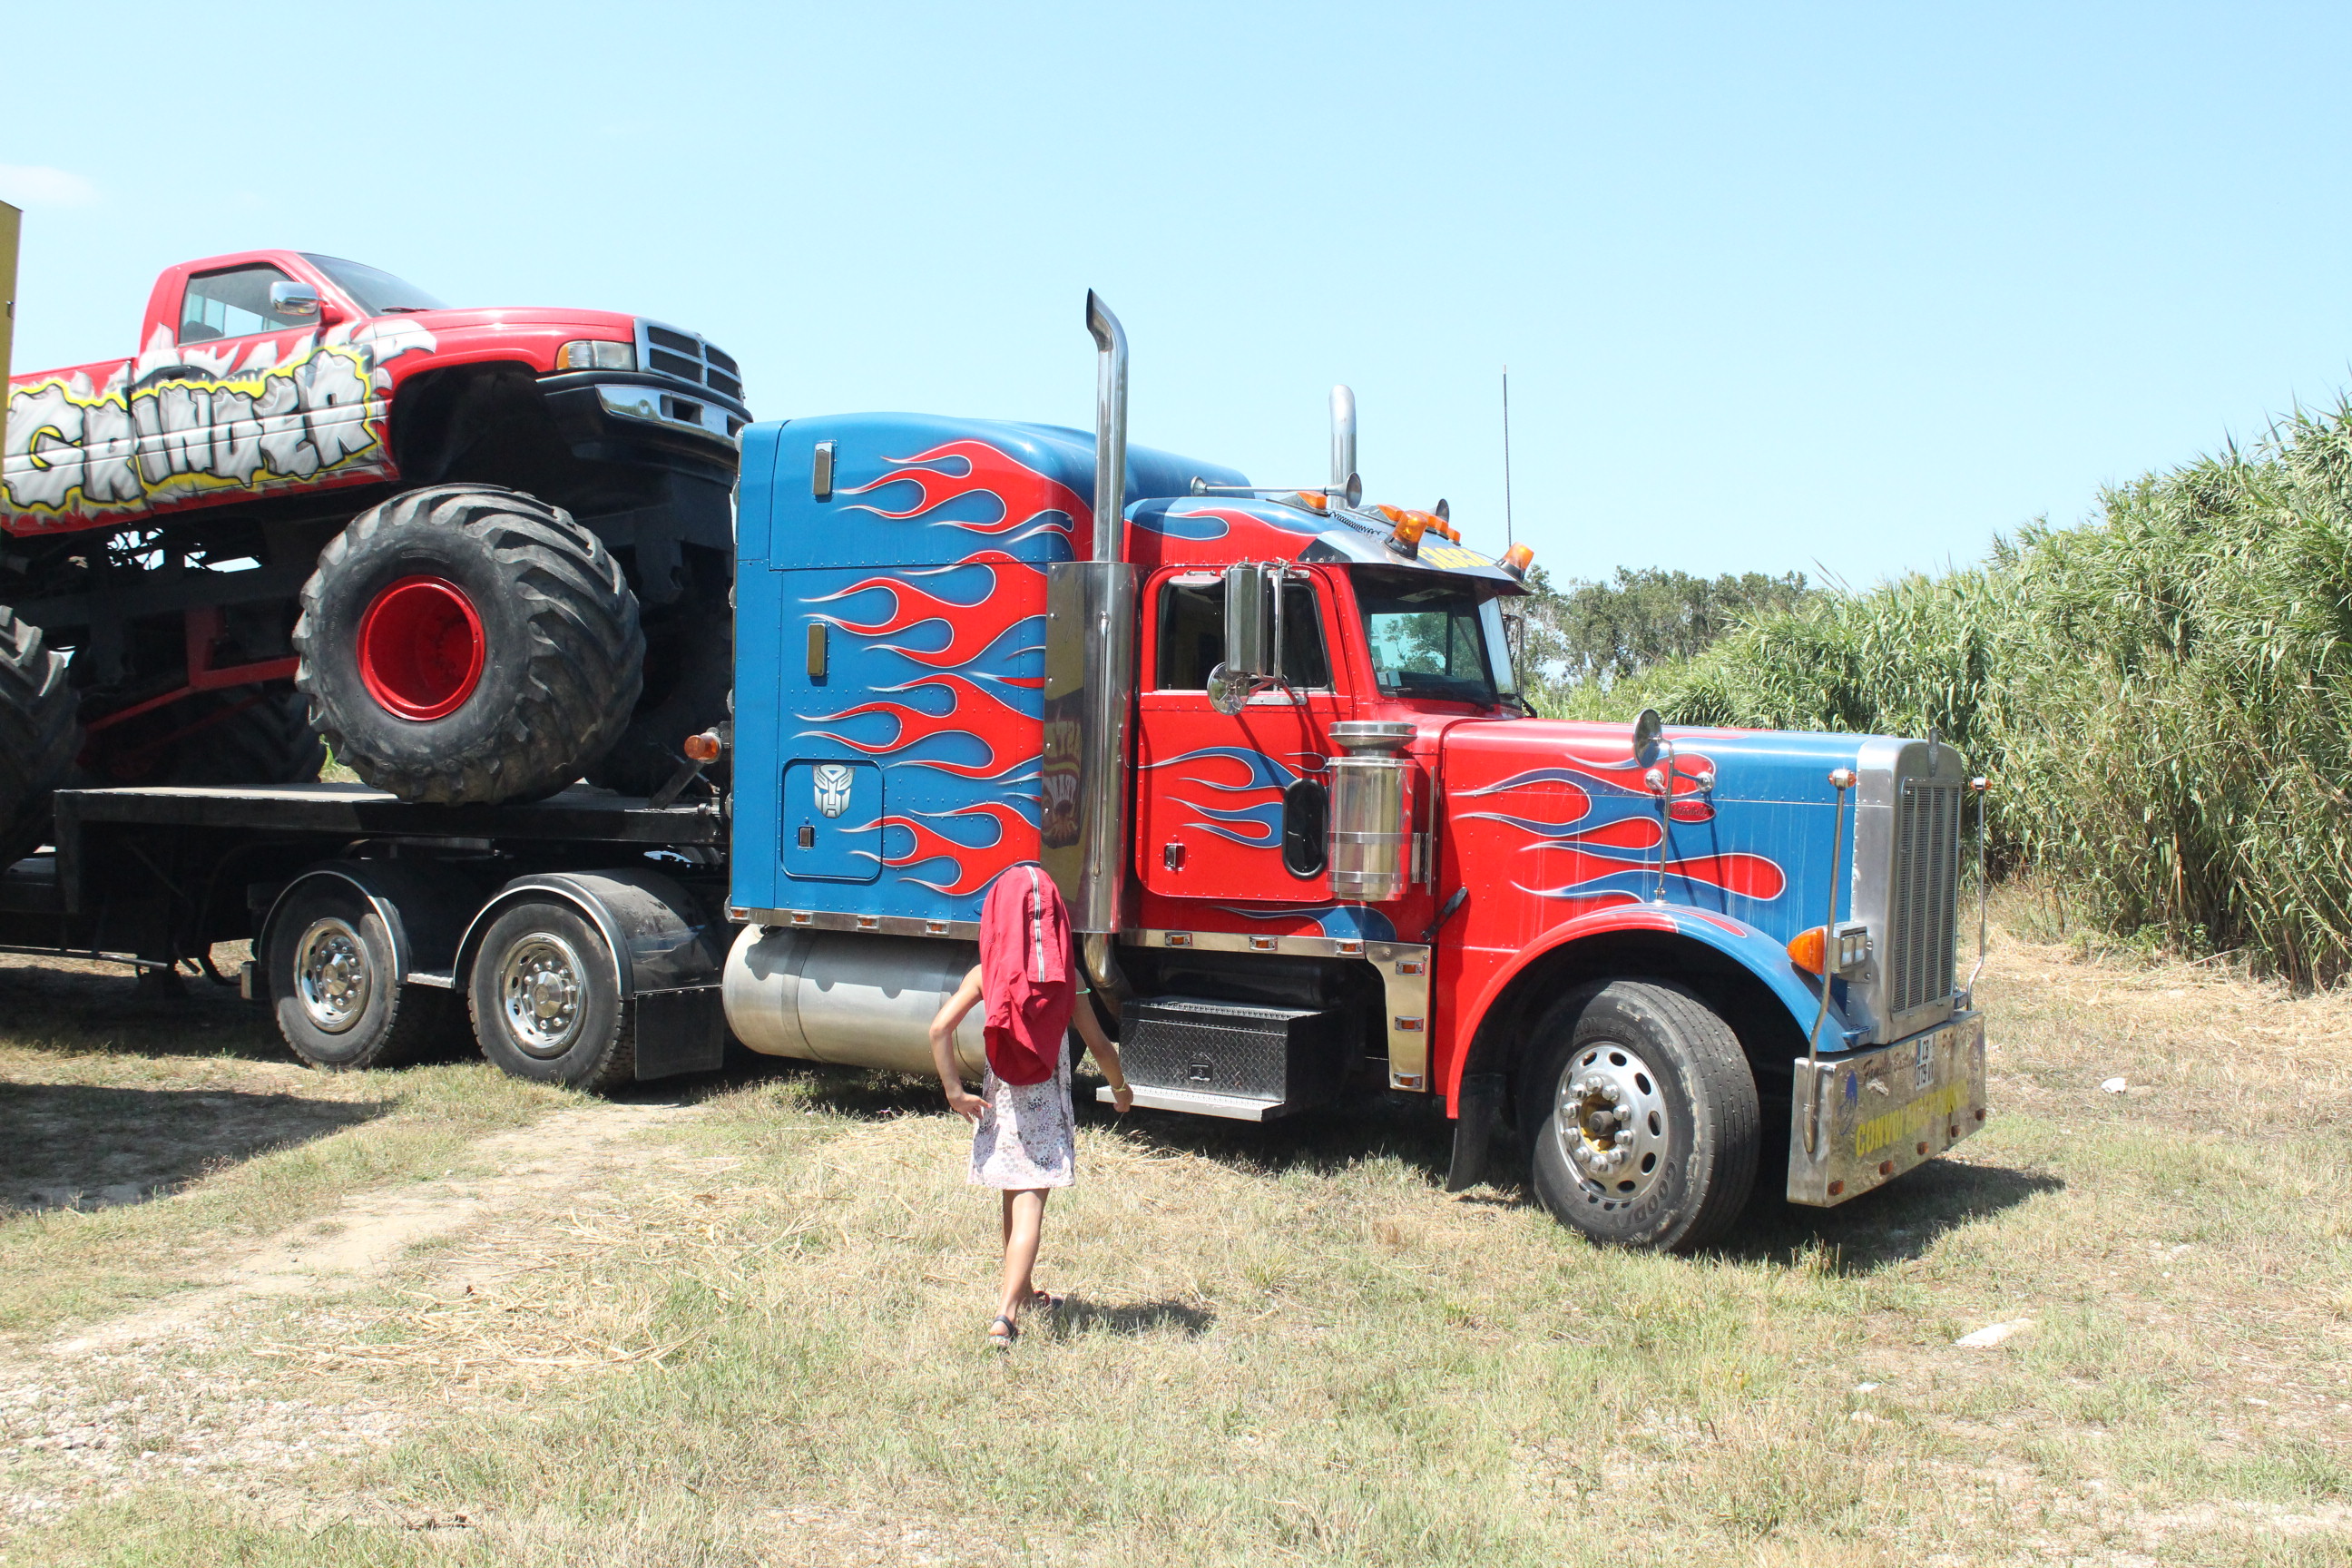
(377, 293)
(1434, 640)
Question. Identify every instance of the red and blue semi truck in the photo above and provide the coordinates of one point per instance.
(1269, 743)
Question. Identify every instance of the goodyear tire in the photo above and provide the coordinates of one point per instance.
(465, 644)
(1641, 1117)
(546, 1000)
(336, 986)
(689, 674)
(245, 735)
(38, 735)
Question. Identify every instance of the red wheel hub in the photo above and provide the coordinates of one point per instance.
(421, 648)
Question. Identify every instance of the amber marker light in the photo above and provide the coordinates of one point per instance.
(1517, 559)
(703, 748)
(1808, 950)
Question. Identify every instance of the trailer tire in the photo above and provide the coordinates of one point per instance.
(336, 987)
(689, 679)
(546, 1000)
(39, 736)
(1646, 1070)
(466, 645)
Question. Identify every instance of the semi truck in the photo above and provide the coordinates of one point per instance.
(478, 551)
(1269, 743)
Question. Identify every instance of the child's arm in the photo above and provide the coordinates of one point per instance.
(1106, 1054)
(965, 1103)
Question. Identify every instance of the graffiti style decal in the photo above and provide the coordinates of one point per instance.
(950, 472)
(1254, 824)
(182, 422)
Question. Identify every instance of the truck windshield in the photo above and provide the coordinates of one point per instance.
(1434, 640)
(375, 293)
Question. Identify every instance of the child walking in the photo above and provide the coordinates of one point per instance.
(1025, 1133)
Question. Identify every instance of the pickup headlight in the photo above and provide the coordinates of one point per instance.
(593, 353)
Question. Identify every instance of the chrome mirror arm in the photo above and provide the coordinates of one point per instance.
(1980, 788)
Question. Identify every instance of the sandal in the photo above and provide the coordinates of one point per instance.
(1001, 1331)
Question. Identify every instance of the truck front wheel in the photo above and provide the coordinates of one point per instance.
(465, 645)
(1641, 1116)
(547, 1003)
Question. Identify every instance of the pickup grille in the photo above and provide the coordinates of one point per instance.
(1921, 901)
(690, 359)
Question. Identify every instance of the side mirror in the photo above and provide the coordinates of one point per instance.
(296, 300)
(1246, 641)
(1647, 729)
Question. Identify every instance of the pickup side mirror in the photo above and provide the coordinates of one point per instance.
(296, 299)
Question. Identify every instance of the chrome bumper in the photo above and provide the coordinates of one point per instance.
(1860, 1121)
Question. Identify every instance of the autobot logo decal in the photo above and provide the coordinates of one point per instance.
(180, 422)
(831, 784)
(973, 486)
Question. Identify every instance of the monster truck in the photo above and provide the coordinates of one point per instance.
(481, 552)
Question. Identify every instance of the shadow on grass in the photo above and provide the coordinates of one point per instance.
(1078, 1316)
(79, 1146)
(1895, 1223)
(92, 1009)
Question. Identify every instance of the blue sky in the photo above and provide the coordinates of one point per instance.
(1779, 286)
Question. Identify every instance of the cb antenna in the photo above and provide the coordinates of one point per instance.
(1509, 537)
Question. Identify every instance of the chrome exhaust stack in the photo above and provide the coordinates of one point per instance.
(1343, 440)
(1090, 687)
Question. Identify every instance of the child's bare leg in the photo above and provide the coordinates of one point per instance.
(1024, 1224)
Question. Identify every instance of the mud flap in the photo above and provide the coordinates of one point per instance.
(679, 1032)
(1481, 1105)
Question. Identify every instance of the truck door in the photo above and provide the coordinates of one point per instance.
(245, 397)
(1233, 807)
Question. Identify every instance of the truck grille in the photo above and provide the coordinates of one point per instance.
(690, 359)
(1920, 911)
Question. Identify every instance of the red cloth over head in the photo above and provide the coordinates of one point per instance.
(1024, 974)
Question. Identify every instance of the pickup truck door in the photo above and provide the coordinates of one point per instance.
(1233, 807)
(243, 397)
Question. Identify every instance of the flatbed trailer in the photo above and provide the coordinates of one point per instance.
(583, 934)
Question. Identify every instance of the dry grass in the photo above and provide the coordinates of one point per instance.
(1288, 1344)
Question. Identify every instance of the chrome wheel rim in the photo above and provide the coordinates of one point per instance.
(540, 986)
(332, 980)
(1610, 1122)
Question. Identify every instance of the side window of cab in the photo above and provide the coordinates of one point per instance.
(1192, 640)
(234, 303)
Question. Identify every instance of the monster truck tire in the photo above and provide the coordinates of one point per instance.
(245, 735)
(38, 735)
(465, 644)
(689, 673)
(1641, 1116)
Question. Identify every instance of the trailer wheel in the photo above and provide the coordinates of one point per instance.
(39, 734)
(1641, 1116)
(464, 644)
(546, 1000)
(336, 986)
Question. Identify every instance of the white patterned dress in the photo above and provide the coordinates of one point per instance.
(1028, 1136)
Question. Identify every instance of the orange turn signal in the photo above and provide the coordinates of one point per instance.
(1315, 499)
(1808, 950)
(703, 748)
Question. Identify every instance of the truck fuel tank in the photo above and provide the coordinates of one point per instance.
(854, 999)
